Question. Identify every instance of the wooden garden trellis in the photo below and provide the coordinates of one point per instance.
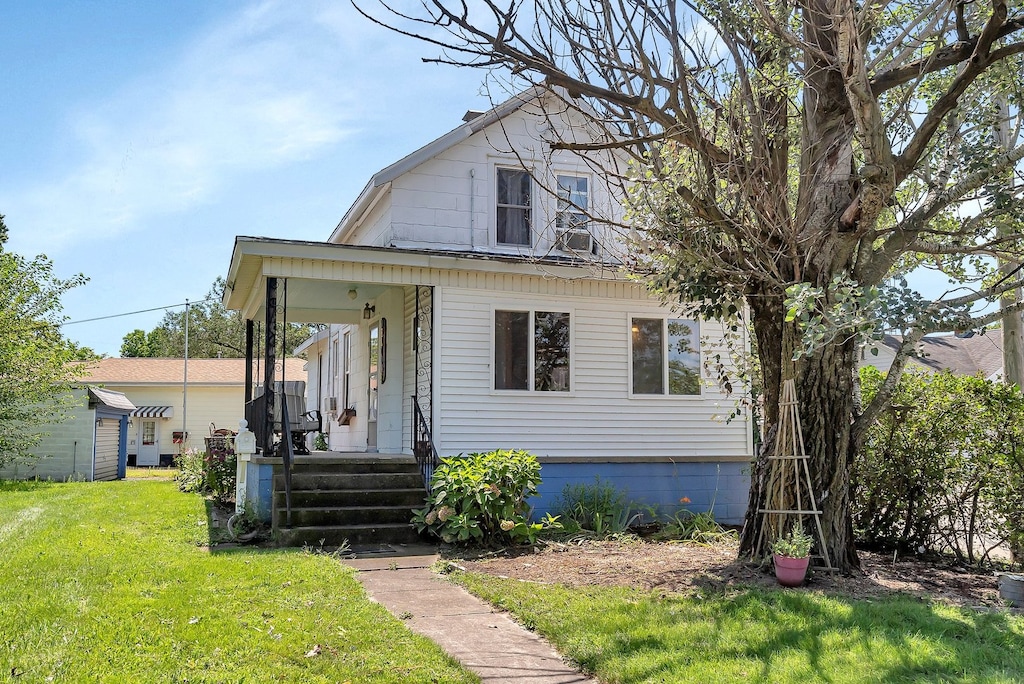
(789, 486)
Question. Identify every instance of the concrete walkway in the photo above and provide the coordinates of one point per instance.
(485, 641)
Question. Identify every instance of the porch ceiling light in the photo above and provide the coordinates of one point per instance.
(368, 311)
(353, 293)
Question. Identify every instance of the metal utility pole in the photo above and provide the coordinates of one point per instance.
(184, 387)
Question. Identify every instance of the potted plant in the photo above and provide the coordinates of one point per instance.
(792, 555)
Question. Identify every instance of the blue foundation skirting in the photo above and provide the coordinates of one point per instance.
(720, 487)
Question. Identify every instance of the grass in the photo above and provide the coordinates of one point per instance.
(762, 635)
(112, 582)
(154, 473)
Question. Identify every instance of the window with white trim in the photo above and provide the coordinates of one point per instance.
(572, 224)
(665, 356)
(531, 350)
(513, 225)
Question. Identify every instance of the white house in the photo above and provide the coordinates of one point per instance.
(172, 411)
(474, 301)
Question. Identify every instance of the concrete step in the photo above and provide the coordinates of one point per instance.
(362, 481)
(351, 466)
(410, 498)
(344, 515)
(335, 535)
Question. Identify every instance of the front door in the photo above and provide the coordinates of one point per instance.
(149, 444)
(371, 412)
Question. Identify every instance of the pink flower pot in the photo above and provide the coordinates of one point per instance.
(790, 572)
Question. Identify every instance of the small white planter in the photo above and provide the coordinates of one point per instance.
(1011, 588)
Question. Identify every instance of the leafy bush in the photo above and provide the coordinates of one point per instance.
(211, 472)
(944, 468)
(481, 498)
(191, 475)
(600, 507)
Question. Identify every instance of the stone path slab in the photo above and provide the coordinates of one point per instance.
(485, 641)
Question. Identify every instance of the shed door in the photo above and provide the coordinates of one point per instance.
(149, 444)
(107, 437)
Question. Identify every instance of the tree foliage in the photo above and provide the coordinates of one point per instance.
(36, 373)
(799, 158)
(943, 469)
(213, 332)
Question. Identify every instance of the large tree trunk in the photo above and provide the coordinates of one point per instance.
(826, 395)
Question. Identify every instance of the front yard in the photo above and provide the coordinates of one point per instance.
(114, 582)
(677, 613)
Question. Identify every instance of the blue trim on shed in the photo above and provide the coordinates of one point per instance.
(720, 487)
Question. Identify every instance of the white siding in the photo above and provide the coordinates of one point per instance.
(105, 463)
(598, 418)
(222, 406)
(448, 202)
(65, 452)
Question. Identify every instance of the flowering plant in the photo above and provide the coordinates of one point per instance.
(481, 498)
(796, 544)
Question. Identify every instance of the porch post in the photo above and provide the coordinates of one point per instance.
(248, 360)
(269, 348)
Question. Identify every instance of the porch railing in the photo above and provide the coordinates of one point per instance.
(423, 445)
(255, 416)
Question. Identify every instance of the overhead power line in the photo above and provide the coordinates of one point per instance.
(132, 313)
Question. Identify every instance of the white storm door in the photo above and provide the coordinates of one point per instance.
(149, 444)
(371, 412)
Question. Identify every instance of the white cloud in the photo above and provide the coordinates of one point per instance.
(262, 89)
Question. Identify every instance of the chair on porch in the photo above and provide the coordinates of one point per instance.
(300, 421)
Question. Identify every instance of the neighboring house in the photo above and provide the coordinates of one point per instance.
(165, 410)
(471, 308)
(91, 444)
(963, 354)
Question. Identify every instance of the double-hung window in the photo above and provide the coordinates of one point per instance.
(572, 227)
(665, 356)
(531, 350)
(513, 208)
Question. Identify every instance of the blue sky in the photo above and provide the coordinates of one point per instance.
(140, 137)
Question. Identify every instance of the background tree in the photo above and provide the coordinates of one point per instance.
(36, 373)
(213, 332)
(135, 344)
(798, 158)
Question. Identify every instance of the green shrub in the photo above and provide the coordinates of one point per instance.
(481, 498)
(191, 475)
(600, 507)
(944, 468)
(210, 472)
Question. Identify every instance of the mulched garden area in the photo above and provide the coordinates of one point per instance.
(679, 567)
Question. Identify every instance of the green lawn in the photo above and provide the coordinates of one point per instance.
(779, 636)
(111, 582)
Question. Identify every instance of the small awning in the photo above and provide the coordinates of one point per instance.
(154, 412)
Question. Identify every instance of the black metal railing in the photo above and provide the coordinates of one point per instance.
(255, 415)
(423, 445)
(287, 456)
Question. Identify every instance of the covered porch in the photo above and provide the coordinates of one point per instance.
(383, 306)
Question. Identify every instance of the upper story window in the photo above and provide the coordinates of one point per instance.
(531, 351)
(571, 223)
(665, 356)
(514, 206)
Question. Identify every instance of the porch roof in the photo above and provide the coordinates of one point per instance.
(331, 283)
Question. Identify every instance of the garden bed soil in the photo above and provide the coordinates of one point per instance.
(678, 567)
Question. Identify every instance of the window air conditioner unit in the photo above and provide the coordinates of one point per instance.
(576, 240)
(331, 403)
